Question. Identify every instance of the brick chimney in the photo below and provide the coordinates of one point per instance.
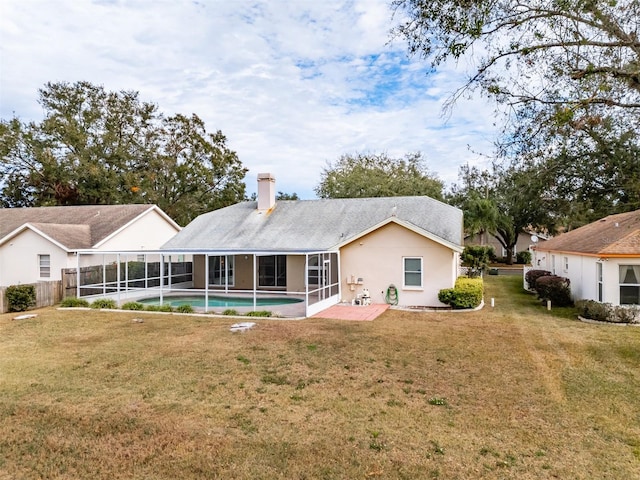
(266, 191)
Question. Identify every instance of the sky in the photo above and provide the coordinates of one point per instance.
(292, 84)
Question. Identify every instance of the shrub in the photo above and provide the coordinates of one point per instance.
(104, 303)
(467, 293)
(184, 308)
(554, 288)
(532, 275)
(21, 297)
(230, 311)
(626, 314)
(132, 306)
(476, 258)
(605, 312)
(165, 307)
(74, 302)
(523, 257)
(593, 310)
(259, 313)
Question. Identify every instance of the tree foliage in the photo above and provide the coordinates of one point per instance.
(551, 52)
(100, 147)
(516, 199)
(378, 175)
(569, 73)
(476, 258)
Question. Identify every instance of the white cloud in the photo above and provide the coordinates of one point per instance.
(291, 83)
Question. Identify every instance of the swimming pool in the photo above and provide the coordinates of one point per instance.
(219, 301)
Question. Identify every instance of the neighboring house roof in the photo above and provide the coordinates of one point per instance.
(74, 227)
(316, 225)
(615, 235)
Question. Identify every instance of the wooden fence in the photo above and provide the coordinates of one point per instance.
(47, 294)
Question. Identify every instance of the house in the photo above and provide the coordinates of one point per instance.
(601, 259)
(36, 244)
(328, 250)
(526, 240)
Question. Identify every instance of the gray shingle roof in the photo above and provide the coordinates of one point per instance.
(75, 227)
(313, 225)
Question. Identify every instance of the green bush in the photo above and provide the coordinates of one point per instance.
(104, 303)
(70, 302)
(467, 293)
(259, 313)
(184, 308)
(230, 311)
(132, 306)
(476, 258)
(21, 297)
(523, 257)
(554, 288)
(165, 307)
(532, 275)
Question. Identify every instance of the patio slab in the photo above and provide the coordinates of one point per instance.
(353, 312)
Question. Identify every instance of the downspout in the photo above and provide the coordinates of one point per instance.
(104, 275)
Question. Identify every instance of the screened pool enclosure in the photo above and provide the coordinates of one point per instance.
(310, 277)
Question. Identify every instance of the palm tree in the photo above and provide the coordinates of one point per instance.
(480, 217)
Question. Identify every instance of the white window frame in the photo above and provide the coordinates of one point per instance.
(565, 261)
(599, 284)
(405, 271)
(622, 284)
(44, 265)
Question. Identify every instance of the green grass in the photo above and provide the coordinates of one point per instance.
(509, 392)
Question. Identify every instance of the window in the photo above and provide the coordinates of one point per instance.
(553, 264)
(221, 269)
(272, 271)
(629, 284)
(44, 262)
(599, 280)
(412, 272)
(566, 264)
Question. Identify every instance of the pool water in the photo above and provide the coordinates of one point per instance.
(219, 301)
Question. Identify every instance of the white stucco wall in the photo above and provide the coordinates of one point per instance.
(377, 258)
(581, 270)
(19, 259)
(148, 232)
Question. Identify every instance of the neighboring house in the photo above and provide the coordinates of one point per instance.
(526, 240)
(36, 244)
(601, 259)
(329, 250)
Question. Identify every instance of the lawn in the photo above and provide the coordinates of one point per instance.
(509, 392)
